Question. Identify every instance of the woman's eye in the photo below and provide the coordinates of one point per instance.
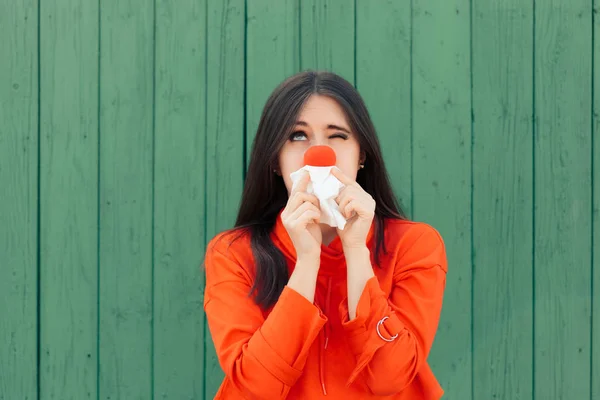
(301, 136)
(340, 135)
(297, 136)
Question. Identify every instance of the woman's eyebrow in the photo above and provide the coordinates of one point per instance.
(329, 127)
(338, 128)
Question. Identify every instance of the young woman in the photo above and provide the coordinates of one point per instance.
(301, 310)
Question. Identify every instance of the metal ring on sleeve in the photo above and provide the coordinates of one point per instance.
(379, 333)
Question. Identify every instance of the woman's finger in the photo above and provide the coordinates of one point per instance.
(344, 201)
(308, 217)
(302, 184)
(350, 209)
(295, 216)
(299, 198)
(345, 179)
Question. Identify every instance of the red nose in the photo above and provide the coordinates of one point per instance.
(319, 156)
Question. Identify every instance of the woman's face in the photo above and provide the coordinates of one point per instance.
(320, 122)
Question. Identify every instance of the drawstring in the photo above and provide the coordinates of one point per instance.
(327, 311)
(324, 340)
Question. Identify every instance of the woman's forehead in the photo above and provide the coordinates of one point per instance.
(321, 110)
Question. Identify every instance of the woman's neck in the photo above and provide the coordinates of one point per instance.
(328, 233)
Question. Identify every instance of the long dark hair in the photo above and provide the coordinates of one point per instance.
(265, 194)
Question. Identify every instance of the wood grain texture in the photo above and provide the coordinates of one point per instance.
(562, 199)
(68, 199)
(502, 199)
(327, 36)
(179, 187)
(225, 136)
(18, 199)
(170, 103)
(272, 55)
(442, 172)
(383, 77)
(126, 167)
(595, 370)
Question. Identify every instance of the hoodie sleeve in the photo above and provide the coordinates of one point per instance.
(391, 336)
(261, 357)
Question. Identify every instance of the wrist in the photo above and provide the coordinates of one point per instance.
(304, 278)
(309, 260)
(357, 249)
(358, 261)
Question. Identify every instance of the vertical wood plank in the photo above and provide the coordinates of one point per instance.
(595, 371)
(562, 199)
(442, 171)
(272, 54)
(68, 199)
(502, 199)
(383, 79)
(327, 36)
(18, 198)
(126, 146)
(225, 136)
(180, 140)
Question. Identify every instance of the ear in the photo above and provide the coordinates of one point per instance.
(363, 157)
(275, 169)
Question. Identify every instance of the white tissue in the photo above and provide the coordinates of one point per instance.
(325, 187)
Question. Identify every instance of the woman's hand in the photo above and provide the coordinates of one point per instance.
(300, 218)
(358, 207)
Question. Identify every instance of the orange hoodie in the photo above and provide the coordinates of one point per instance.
(301, 350)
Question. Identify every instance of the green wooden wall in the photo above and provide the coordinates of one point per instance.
(125, 128)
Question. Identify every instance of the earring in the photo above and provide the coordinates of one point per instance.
(362, 166)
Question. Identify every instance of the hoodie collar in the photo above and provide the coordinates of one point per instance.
(332, 256)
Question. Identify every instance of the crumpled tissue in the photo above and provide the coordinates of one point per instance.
(326, 188)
